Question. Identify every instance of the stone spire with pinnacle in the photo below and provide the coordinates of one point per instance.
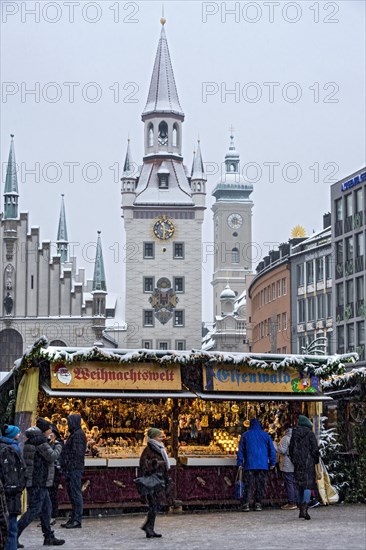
(11, 194)
(99, 280)
(62, 239)
(163, 95)
(128, 167)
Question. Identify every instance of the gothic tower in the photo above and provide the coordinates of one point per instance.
(163, 212)
(232, 216)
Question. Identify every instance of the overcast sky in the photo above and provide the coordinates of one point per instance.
(296, 72)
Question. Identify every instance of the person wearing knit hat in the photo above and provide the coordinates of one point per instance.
(154, 460)
(304, 453)
(12, 432)
(44, 425)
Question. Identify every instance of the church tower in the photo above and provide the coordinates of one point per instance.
(62, 240)
(163, 212)
(232, 216)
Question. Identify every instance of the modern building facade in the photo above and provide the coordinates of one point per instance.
(163, 207)
(42, 292)
(348, 242)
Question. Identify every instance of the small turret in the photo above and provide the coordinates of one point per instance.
(198, 178)
(129, 179)
(11, 194)
(62, 239)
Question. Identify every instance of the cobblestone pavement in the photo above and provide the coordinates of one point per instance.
(334, 527)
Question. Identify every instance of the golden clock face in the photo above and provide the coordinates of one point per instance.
(164, 228)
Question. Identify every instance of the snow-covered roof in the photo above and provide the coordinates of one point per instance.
(178, 192)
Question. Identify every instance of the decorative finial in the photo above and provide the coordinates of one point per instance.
(11, 135)
(99, 232)
(62, 195)
(162, 19)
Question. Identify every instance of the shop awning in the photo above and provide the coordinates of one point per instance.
(120, 394)
(262, 397)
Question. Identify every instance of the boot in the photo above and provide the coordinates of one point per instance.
(148, 527)
(306, 513)
(302, 510)
(53, 541)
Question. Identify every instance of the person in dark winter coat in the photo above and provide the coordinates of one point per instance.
(154, 459)
(40, 453)
(3, 517)
(304, 454)
(72, 464)
(53, 490)
(14, 484)
(255, 454)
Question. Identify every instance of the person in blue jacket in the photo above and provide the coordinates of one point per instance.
(256, 454)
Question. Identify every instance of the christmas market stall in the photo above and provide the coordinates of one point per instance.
(202, 400)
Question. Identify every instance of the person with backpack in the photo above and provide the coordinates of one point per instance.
(40, 453)
(12, 475)
(3, 517)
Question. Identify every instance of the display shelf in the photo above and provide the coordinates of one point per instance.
(95, 462)
(208, 460)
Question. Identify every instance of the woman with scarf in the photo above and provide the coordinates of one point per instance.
(154, 459)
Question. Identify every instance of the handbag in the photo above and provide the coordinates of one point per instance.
(239, 485)
(318, 471)
(146, 485)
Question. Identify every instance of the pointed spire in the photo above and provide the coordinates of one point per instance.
(62, 240)
(128, 165)
(11, 185)
(99, 281)
(198, 170)
(163, 95)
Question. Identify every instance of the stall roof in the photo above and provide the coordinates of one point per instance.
(262, 397)
(120, 394)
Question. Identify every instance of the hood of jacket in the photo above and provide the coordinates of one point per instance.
(74, 422)
(255, 424)
(301, 431)
(35, 436)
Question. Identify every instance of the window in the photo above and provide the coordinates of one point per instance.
(180, 345)
(320, 306)
(301, 311)
(349, 206)
(361, 339)
(339, 252)
(150, 136)
(340, 339)
(148, 251)
(359, 245)
(147, 344)
(178, 318)
(278, 289)
(350, 337)
(270, 293)
(301, 344)
(349, 291)
(163, 133)
(349, 248)
(163, 181)
(178, 283)
(359, 289)
(328, 272)
(309, 272)
(329, 304)
(175, 137)
(284, 287)
(278, 322)
(273, 291)
(300, 275)
(148, 318)
(319, 269)
(235, 256)
(178, 250)
(339, 210)
(340, 295)
(284, 321)
(163, 345)
(148, 284)
(284, 350)
(359, 200)
(311, 308)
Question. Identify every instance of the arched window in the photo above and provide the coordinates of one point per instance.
(11, 345)
(175, 135)
(150, 136)
(198, 187)
(58, 343)
(232, 167)
(163, 133)
(234, 256)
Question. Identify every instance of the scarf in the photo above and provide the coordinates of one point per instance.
(159, 447)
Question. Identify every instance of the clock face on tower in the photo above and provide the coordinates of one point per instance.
(163, 228)
(234, 220)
